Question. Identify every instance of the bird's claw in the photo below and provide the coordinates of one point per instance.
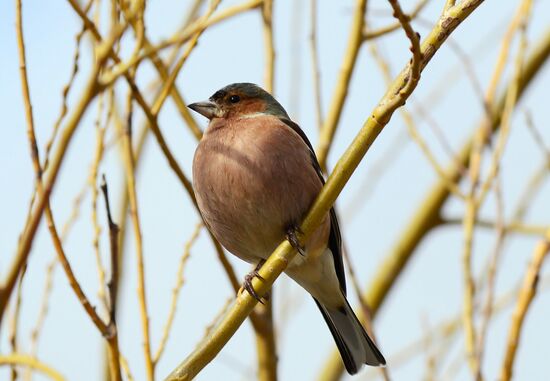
(247, 285)
(292, 237)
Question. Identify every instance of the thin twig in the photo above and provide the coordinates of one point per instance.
(342, 83)
(428, 213)
(152, 112)
(269, 51)
(125, 67)
(411, 126)
(438, 132)
(129, 167)
(44, 307)
(31, 362)
(525, 298)
(511, 227)
(265, 341)
(315, 65)
(176, 291)
(446, 330)
(184, 36)
(414, 38)
(38, 172)
(369, 34)
(487, 311)
(532, 187)
(92, 181)
(50, 271)
(90, 310)
(377, 170)
(112, 287)
(26, 93)
(537, 136)
(294, 75)
(473, 200)
(364, 306)
(14, 323)
(266, 346)
(25, 243)
(169, 82)
(65, 91)
(510, 103)
(126, 368)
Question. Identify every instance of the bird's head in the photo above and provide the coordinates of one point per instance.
(238, 100)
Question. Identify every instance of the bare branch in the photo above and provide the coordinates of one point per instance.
(31, 362)
(277, 262)
(526, 296)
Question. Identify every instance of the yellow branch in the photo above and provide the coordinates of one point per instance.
(428, 214)
(411, 126)
(473, 201)
(31, 362)
(315, 65)
(269, 51)
(526, 296)
(266, 346)
(342, 83)
(151, 115)
(129, 167)
(186, 35)
(176, 292)
(279, 259)
(375, 33)
(31, 226)
(265, 341)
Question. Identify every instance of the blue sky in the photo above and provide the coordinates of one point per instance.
(430, 289)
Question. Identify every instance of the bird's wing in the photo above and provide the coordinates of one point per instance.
(335, 238)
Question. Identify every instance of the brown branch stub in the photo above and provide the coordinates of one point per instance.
(114, 230)
(414, 38)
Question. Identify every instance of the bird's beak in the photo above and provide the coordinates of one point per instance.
(207, 108)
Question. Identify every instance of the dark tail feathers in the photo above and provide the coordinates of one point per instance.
(355, 346)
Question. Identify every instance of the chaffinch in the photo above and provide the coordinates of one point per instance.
(255, 177)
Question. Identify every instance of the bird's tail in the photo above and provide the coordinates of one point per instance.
(354, 344)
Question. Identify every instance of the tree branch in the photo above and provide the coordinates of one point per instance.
(404, 84)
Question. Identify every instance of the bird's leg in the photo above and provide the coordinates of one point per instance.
(247, 285)
(292, 237)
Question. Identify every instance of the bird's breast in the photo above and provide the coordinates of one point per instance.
(252, 180)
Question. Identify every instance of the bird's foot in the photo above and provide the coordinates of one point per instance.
(292, 236)
(247, 285)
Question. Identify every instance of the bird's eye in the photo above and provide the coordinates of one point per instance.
(234, 98)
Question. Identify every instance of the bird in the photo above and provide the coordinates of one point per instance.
(255, 176)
